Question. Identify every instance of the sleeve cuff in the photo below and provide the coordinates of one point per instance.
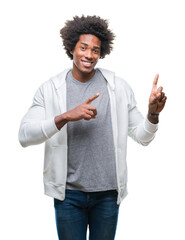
(49, 128)
(150, 127)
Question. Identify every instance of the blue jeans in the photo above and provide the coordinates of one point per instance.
(79, 209)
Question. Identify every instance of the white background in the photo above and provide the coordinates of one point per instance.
(149, 39)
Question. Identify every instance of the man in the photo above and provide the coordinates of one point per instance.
(84, 116)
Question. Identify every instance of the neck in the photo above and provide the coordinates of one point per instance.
(82, 76)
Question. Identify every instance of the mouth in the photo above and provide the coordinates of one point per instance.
(87, 63)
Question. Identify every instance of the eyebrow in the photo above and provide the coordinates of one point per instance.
(87, 45)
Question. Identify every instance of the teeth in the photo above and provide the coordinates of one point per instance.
(87, 64)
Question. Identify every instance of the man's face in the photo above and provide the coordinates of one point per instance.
(86, 54)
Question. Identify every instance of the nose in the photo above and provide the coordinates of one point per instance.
(88, 54)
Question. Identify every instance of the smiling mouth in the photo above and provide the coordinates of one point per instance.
(87, 64)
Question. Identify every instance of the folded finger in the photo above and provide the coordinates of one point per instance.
(164, 99)
(87, 116)
(159, 90)
(91, 113)
(93, 109)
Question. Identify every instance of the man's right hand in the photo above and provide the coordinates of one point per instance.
(83, 111)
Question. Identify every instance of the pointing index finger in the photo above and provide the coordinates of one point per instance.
(92, 98)
(155, 81)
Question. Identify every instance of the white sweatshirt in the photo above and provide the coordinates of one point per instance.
(38, 126)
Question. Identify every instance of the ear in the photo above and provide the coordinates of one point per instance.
(71, 52)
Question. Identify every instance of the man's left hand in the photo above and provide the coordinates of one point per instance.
(157, 98)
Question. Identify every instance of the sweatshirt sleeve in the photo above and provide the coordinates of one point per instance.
(140, 129)
(34, 128)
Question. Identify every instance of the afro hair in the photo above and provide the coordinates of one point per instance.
(94, 25)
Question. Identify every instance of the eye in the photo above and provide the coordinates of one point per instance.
(96, 51)
(82, 48)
